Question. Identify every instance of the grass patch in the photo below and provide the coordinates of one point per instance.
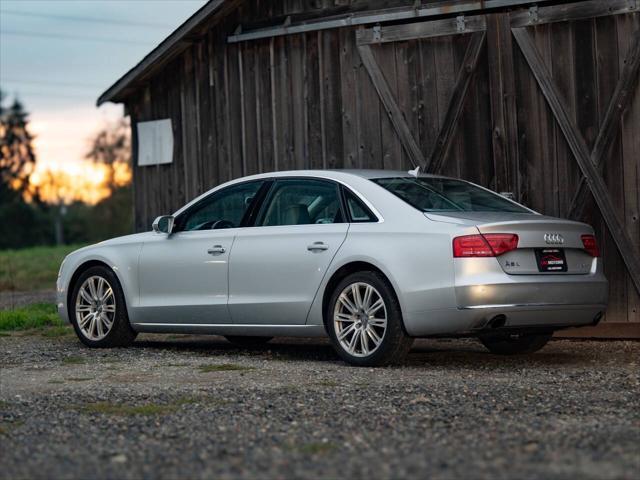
(107, 408)
(224, 367)
(79, 379)
(72, 360)
(32, 268)
(56, 382)
(38, 315)
(127, 410)
(58, 331)
(326, 383)
(7, 427)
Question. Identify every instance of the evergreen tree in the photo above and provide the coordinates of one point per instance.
(17, 158)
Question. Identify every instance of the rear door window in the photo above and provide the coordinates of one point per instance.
(301, 202)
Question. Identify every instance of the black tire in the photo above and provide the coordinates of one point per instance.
(121, 334)
(514, 344)
(395, 343)
(247, 342)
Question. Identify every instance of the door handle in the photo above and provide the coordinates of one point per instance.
(216, 250)
(317, 246)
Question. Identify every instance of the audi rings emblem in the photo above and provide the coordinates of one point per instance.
(553, 238)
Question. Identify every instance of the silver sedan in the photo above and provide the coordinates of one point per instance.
(373, 259)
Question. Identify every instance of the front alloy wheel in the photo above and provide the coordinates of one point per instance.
(95, 308)
(365, 322)
(98, 311)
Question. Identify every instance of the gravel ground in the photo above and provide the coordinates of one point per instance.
(197, 407)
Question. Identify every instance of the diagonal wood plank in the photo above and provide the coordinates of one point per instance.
(391, 106)
(581, 153)
(620, 100)
(445, 137)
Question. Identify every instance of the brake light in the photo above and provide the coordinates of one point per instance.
(487, 245)
(591, 245)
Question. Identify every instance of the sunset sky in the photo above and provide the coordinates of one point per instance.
(58, 56)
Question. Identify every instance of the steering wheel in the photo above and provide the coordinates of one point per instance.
(221, 225)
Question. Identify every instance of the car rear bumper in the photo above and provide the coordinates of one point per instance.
(483, 292)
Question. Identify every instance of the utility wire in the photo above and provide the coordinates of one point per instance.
(61, 36)
(47, 82)
(85, 19)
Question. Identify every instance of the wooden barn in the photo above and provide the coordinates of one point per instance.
(539, 99)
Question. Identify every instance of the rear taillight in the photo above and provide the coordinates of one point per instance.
(487, 245)
(591, 245)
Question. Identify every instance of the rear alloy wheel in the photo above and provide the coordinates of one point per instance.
(99, 315)
(365, 321)
(515, 344)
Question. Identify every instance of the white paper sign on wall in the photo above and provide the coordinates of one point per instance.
(155, 142)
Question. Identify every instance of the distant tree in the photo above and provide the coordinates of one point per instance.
(112, 147)
(22, 224)
(17, 158)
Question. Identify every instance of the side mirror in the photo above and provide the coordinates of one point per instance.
(164, 224)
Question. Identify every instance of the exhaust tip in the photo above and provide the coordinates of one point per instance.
(597, 318)
(498, 321)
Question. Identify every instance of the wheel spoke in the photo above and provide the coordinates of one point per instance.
(364, 342)
(347, 303)
(106, 320)
(374, 336)
(345, 333)
(86, 296)
(84, 321)
(366, 300)
(99, 325)
(353, 341)
(100, 287)
(92, 289)
(109, 308)
(355, 293)
(344, 317)
(378, 322)
(107, 294)
(83, 308)
(375, 307)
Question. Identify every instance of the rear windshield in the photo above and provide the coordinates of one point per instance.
(447, 195)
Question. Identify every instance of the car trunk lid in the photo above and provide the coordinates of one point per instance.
(546, 245)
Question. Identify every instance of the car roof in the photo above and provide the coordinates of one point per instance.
(338, 174)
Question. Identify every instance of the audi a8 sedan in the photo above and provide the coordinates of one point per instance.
(372, 259)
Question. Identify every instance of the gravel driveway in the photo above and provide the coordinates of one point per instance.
(197, 407)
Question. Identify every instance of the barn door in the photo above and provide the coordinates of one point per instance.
(590, 111)
(539, 102)
(432, 80)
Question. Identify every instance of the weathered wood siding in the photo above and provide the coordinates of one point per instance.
(306, 101)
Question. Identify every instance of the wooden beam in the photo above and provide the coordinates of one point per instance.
(369, 17)
(572, 11)
(391, 106)
(621, 99)
(504, 117)
(443, 142)
(419, 30)
(581, 153)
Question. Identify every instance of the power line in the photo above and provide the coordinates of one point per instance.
(85, 19)
(61, 36)
(49, 83)
(51, 96)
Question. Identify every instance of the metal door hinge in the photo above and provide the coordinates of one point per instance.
(461, 23)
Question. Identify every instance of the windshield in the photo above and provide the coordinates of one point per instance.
(447, 195)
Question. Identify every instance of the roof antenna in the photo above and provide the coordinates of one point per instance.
(415, 172)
